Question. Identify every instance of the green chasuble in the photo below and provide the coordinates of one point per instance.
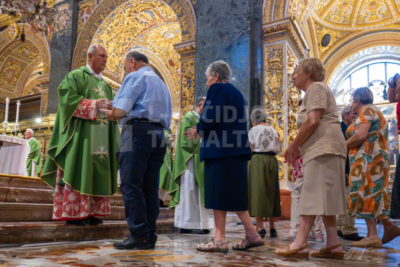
(185, 150)
(35, 156)
(166, 168)
(86, 150)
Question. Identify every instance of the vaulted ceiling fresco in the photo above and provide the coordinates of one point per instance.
(357, 14)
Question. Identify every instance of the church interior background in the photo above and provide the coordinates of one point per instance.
(357, 40)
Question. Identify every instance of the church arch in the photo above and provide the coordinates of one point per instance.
(18, 60)
(182, 9)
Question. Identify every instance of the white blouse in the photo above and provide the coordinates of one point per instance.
(264, 139)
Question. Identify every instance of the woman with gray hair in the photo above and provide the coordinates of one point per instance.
(263, 180)
(369, 169)
(225, 151)
(323, 149)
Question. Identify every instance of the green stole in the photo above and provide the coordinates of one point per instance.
(166, 168)
(34, 155)
(185, 150)
(85, 150)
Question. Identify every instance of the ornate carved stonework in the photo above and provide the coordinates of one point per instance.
(283, 29)
(328, 37)
(274, 96)
(188, 82)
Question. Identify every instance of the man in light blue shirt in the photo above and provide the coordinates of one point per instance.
(143, 106)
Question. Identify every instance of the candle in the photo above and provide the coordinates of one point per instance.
(7, 103)
(16, 119)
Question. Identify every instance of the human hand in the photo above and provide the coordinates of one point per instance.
(347, 178)
(104, 103)
(108, 114)
(291, 153)
(192, 134)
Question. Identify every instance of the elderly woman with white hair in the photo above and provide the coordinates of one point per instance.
(225, 151)
(369, 169)
(263, 180)
(323, 149)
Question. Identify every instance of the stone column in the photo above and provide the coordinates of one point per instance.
(231, 31)
(62, 47)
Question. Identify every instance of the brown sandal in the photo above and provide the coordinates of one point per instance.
(294, 253)
(327, 253)
(207, 247)
(247, 243)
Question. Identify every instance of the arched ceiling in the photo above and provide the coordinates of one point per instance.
(357, 14)
(19, 59)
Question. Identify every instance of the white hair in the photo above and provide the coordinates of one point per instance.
(92, 49)
(30, 130)
(220, 67)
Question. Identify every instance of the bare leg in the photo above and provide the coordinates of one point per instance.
(372, 232)
(306, 222)
(260, 223)
(220, 221)
(387, 224)
(271, 221)
(244, 217)
(331, 233)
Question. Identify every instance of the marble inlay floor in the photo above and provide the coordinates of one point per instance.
(179, 250)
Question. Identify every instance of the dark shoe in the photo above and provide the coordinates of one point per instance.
(340, 234)
(76, 222)
(262, 233)
(139, 242)
(195, 231)
(162, 204)
(352, 237)
(95, 221)
(273, 233)
(153, 241)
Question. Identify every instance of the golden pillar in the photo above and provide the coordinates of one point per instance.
(187, 51)
(284, 46)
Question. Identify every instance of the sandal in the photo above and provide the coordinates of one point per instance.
(246, 243)
(294, 253)
(327, 253)
(207, 247)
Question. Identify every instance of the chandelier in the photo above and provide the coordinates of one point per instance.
(36, 13)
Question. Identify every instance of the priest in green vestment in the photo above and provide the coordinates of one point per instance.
(187, 186)
(34, 154)
(82, 160)
(166, 169)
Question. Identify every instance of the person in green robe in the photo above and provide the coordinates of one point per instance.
(166, 170)
(82, 160)
(187, 186)
(34, 154)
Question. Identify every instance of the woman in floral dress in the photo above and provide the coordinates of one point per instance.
(369, 171)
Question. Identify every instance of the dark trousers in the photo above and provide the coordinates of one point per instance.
(143, 148)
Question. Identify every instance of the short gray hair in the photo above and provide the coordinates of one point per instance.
(137, 56)
(92, 49)
(364, 94)
(201, 100)
(346, 111)
(258, 115)
(30, 130)
(220, 67)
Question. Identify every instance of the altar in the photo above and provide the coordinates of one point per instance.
(14, 152)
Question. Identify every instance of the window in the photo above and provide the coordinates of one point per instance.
(372, 76)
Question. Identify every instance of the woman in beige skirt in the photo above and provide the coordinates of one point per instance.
(323, 149)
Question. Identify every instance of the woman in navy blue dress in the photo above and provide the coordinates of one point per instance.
(225, 151)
